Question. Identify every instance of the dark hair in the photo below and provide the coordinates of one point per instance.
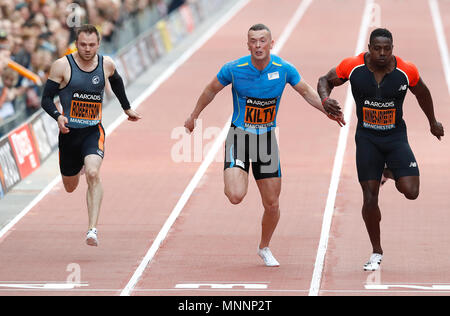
(89, 29)
(380, 32)
(259, 27)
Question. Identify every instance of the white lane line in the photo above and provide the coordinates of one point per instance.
(440, 35)
(135, 104)
(338, 162)
(211, 154)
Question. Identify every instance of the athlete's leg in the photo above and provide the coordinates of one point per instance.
(71, 183)
(404, 168)
(70, 161)
(236, 184)
(409, 186)
(371, 213)
(94, 193)
(269, 189)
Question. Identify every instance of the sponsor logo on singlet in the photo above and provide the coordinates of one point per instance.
(86, 108)
(273, 75)
(379, 115)
(260, 113)
(95, 80)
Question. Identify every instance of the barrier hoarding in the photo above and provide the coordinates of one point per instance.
(40, 138)
(51, 130)
(24, 149)
(9, 169)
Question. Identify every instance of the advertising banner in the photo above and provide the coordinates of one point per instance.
(51, 130)
(10, 171)
(165, 35)
(157, 43)
(24, 150)
(40, 138)
(188, 19)
(2, 184)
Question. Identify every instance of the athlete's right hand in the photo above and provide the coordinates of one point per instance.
(332, 107)
(189, 124)
(437, 129)
(339, 119)
(62, 121)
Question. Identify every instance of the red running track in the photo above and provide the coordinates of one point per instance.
(211, 248)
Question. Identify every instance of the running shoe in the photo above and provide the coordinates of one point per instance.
(374, 262)
(91, 237)
(269, 259)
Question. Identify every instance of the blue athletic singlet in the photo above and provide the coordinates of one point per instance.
(82, 98)
(257, 94)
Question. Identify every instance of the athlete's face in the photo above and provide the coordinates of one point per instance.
(381, 51)
(87, 45)
(259, 44)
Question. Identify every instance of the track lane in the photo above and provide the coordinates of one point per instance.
(141, 183)
(41, 247)
(214, 242)
(413, 232)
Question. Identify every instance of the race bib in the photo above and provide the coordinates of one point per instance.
(86, 108)
(379, 119)
(260, 113)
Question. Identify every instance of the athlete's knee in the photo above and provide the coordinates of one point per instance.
(92, 175)
(412, 194)
(70, 187)
(70, 183)
(370, 199)
(235, 196)
(410, 189)
(272, 205)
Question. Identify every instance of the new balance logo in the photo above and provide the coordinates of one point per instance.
(403, 87)
(413, 165)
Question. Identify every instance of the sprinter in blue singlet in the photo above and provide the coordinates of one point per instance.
(257, 93)
(257, 82)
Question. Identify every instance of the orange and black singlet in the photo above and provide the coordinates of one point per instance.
(379, 106)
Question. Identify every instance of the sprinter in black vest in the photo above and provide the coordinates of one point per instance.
(79, 79)
(379, 82)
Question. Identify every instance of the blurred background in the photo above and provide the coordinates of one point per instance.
(35, 33)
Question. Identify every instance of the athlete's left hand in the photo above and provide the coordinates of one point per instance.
(133, 115)
(338, 118)
(437, 129)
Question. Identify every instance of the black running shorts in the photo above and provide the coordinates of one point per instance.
(243, 148)
(76, 145)
(373, 153)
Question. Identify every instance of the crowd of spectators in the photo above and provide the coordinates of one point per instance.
(34, 33)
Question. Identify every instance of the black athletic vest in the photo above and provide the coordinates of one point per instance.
(82, 98)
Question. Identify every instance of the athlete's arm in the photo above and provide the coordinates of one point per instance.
(56, 76)
(311, 96)
(325, 86)
(208, 94)
(118, 89)
(423, 96)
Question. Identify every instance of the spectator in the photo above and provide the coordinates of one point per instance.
(34, 33)
(4, 50)
(8, 93)
(23, 57)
